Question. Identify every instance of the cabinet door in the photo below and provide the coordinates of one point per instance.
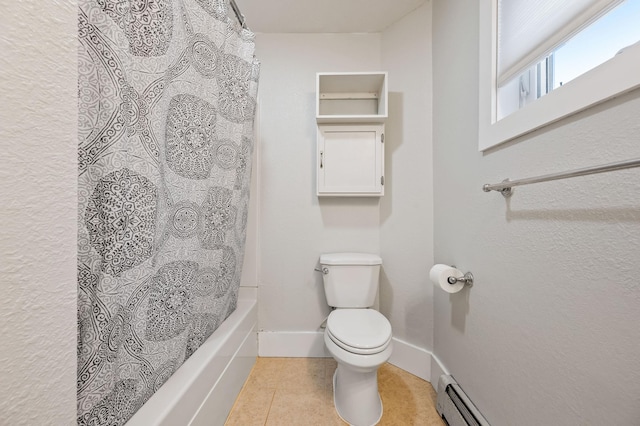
(350, 160)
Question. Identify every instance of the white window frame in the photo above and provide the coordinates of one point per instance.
(612, 78)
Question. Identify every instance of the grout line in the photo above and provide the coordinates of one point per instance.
(397, 371)
(270, 405)
(240, 394)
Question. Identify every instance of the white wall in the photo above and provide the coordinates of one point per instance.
(549, 332)
(406, 210)
(38, 135)
(295, 225)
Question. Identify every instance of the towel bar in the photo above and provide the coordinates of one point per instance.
(505, 186)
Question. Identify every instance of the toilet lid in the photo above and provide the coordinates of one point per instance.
(363, 331)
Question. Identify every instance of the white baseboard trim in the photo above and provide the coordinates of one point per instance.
(294, 344)
(310, 344)
(411, 358)
(437, 370)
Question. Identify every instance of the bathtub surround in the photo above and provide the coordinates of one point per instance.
(166, 108)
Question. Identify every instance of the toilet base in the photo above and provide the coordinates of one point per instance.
(356, 397)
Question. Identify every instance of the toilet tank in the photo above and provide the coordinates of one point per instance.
(351, 279)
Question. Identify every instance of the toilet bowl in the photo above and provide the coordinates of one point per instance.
(357, 336)
(360, 341)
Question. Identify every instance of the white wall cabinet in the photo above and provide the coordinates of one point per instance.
(350, 111)
(350, 160)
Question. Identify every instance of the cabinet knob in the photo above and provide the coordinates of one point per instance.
(320, 159)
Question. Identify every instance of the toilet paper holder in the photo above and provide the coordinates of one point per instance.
(466, 278)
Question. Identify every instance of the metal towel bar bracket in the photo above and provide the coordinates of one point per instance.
(505, 186)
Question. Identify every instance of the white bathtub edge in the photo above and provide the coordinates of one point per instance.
(180, 398)
(219, 402)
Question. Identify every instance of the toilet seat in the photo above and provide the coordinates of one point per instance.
(359, 331)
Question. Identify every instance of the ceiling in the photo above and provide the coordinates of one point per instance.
(323, 16)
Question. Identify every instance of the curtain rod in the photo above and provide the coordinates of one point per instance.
(505, 186)
(239, 14)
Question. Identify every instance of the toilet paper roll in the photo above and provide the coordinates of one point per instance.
(439, 274)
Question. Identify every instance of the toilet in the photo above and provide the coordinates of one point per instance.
(357, 336)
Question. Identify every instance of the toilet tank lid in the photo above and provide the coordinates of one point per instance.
(350, 259)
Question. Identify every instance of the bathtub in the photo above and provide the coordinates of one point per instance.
(202, 391)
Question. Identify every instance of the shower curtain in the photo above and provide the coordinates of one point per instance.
(167, 93)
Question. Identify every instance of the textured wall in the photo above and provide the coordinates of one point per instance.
(549, 333)
(406, 210)
(38, 212)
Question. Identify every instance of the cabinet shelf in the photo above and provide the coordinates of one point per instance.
(359, 97)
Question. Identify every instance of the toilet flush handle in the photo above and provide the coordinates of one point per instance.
(324, 270)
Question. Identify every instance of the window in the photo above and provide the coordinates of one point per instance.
(585, 57)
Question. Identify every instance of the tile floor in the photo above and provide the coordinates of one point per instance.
(298, 391)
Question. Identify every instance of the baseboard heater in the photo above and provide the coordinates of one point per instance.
(454, 406)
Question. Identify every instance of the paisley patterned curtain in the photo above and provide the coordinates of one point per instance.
(167, 93)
